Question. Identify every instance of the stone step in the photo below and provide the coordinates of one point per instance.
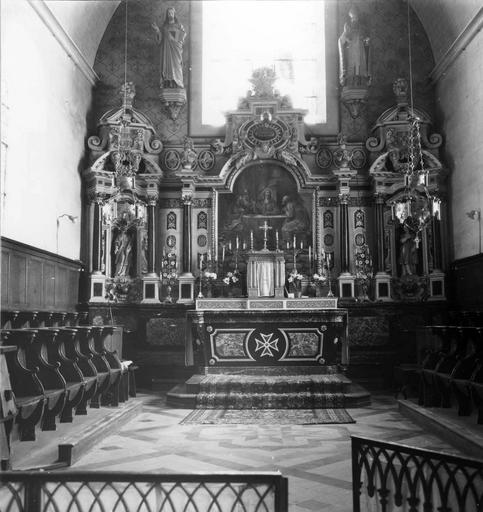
(295, 400)
(272, 370)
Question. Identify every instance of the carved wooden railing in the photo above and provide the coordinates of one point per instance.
(116, 492)
(390, 477)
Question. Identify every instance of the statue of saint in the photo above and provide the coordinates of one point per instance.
(354, 52)
(297, 219)
(123, 253)
(267, 204)
(171, 36)
(408, 256)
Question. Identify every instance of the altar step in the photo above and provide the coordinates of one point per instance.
(248, 390)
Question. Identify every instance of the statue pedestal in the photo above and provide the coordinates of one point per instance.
(346, 286)
(150, 289)
(173, 100)
(382, 287)
(265, 274)
(98, 288)
(436, 285)
(186, 283)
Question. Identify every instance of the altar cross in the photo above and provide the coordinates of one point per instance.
(265, 229)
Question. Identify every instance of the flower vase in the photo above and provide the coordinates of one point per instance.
(318, 290)
(298, 294)
(209, 291)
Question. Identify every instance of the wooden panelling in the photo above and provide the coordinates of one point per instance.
(33, 279)
(467, 281)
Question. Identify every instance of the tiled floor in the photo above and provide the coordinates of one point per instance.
(315, 458)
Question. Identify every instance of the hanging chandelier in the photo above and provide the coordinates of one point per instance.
(126, 139)
(415, 207)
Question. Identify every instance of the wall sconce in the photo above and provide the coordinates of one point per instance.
(72, 218)
(476, 215)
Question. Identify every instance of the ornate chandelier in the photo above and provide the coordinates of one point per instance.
(415, 207)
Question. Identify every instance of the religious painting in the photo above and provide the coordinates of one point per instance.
(265, 204)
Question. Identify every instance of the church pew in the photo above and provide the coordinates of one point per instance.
(27, 388)
(54, 340)
(447, 364)
(87, 347)
(8, 409)
(476, 390)
(83, 361)
(113, 393)
(35, 345)
(427, 393)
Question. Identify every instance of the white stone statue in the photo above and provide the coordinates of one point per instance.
(171, 37)
(354, 52)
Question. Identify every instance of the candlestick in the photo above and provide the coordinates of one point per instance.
(237, 243)
(310, 257)
(251, 240)
(209, 255)
(294, 241)
(276, 239)
(223, 253)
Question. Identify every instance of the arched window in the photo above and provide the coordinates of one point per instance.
(231, 38)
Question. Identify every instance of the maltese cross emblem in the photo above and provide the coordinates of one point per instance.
(266, 345)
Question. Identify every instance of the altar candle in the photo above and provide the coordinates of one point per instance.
(288, 244)
(310, 256)
(294, 242)
(301, 244)
(223, 252)
(229, 245)
(244, 245)
(276, 238)
(251, 240)
(209, 254)
(328, 258)
(237, 243)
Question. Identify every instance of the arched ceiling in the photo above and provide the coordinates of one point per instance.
(86, 20)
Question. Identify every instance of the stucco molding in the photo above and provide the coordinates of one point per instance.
(458, 46)
(65, 41)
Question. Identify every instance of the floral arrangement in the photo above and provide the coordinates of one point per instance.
(232, 278)
(319, 279)
(295, 280)
(169, 272)
(123, 289)
(117, 288)
(363, 264)
(209, 277)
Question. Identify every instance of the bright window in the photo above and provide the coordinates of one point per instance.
(288, 36)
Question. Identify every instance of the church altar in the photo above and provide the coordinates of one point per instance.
(259, 333)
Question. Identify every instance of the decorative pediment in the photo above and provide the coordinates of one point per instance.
(125, 127)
